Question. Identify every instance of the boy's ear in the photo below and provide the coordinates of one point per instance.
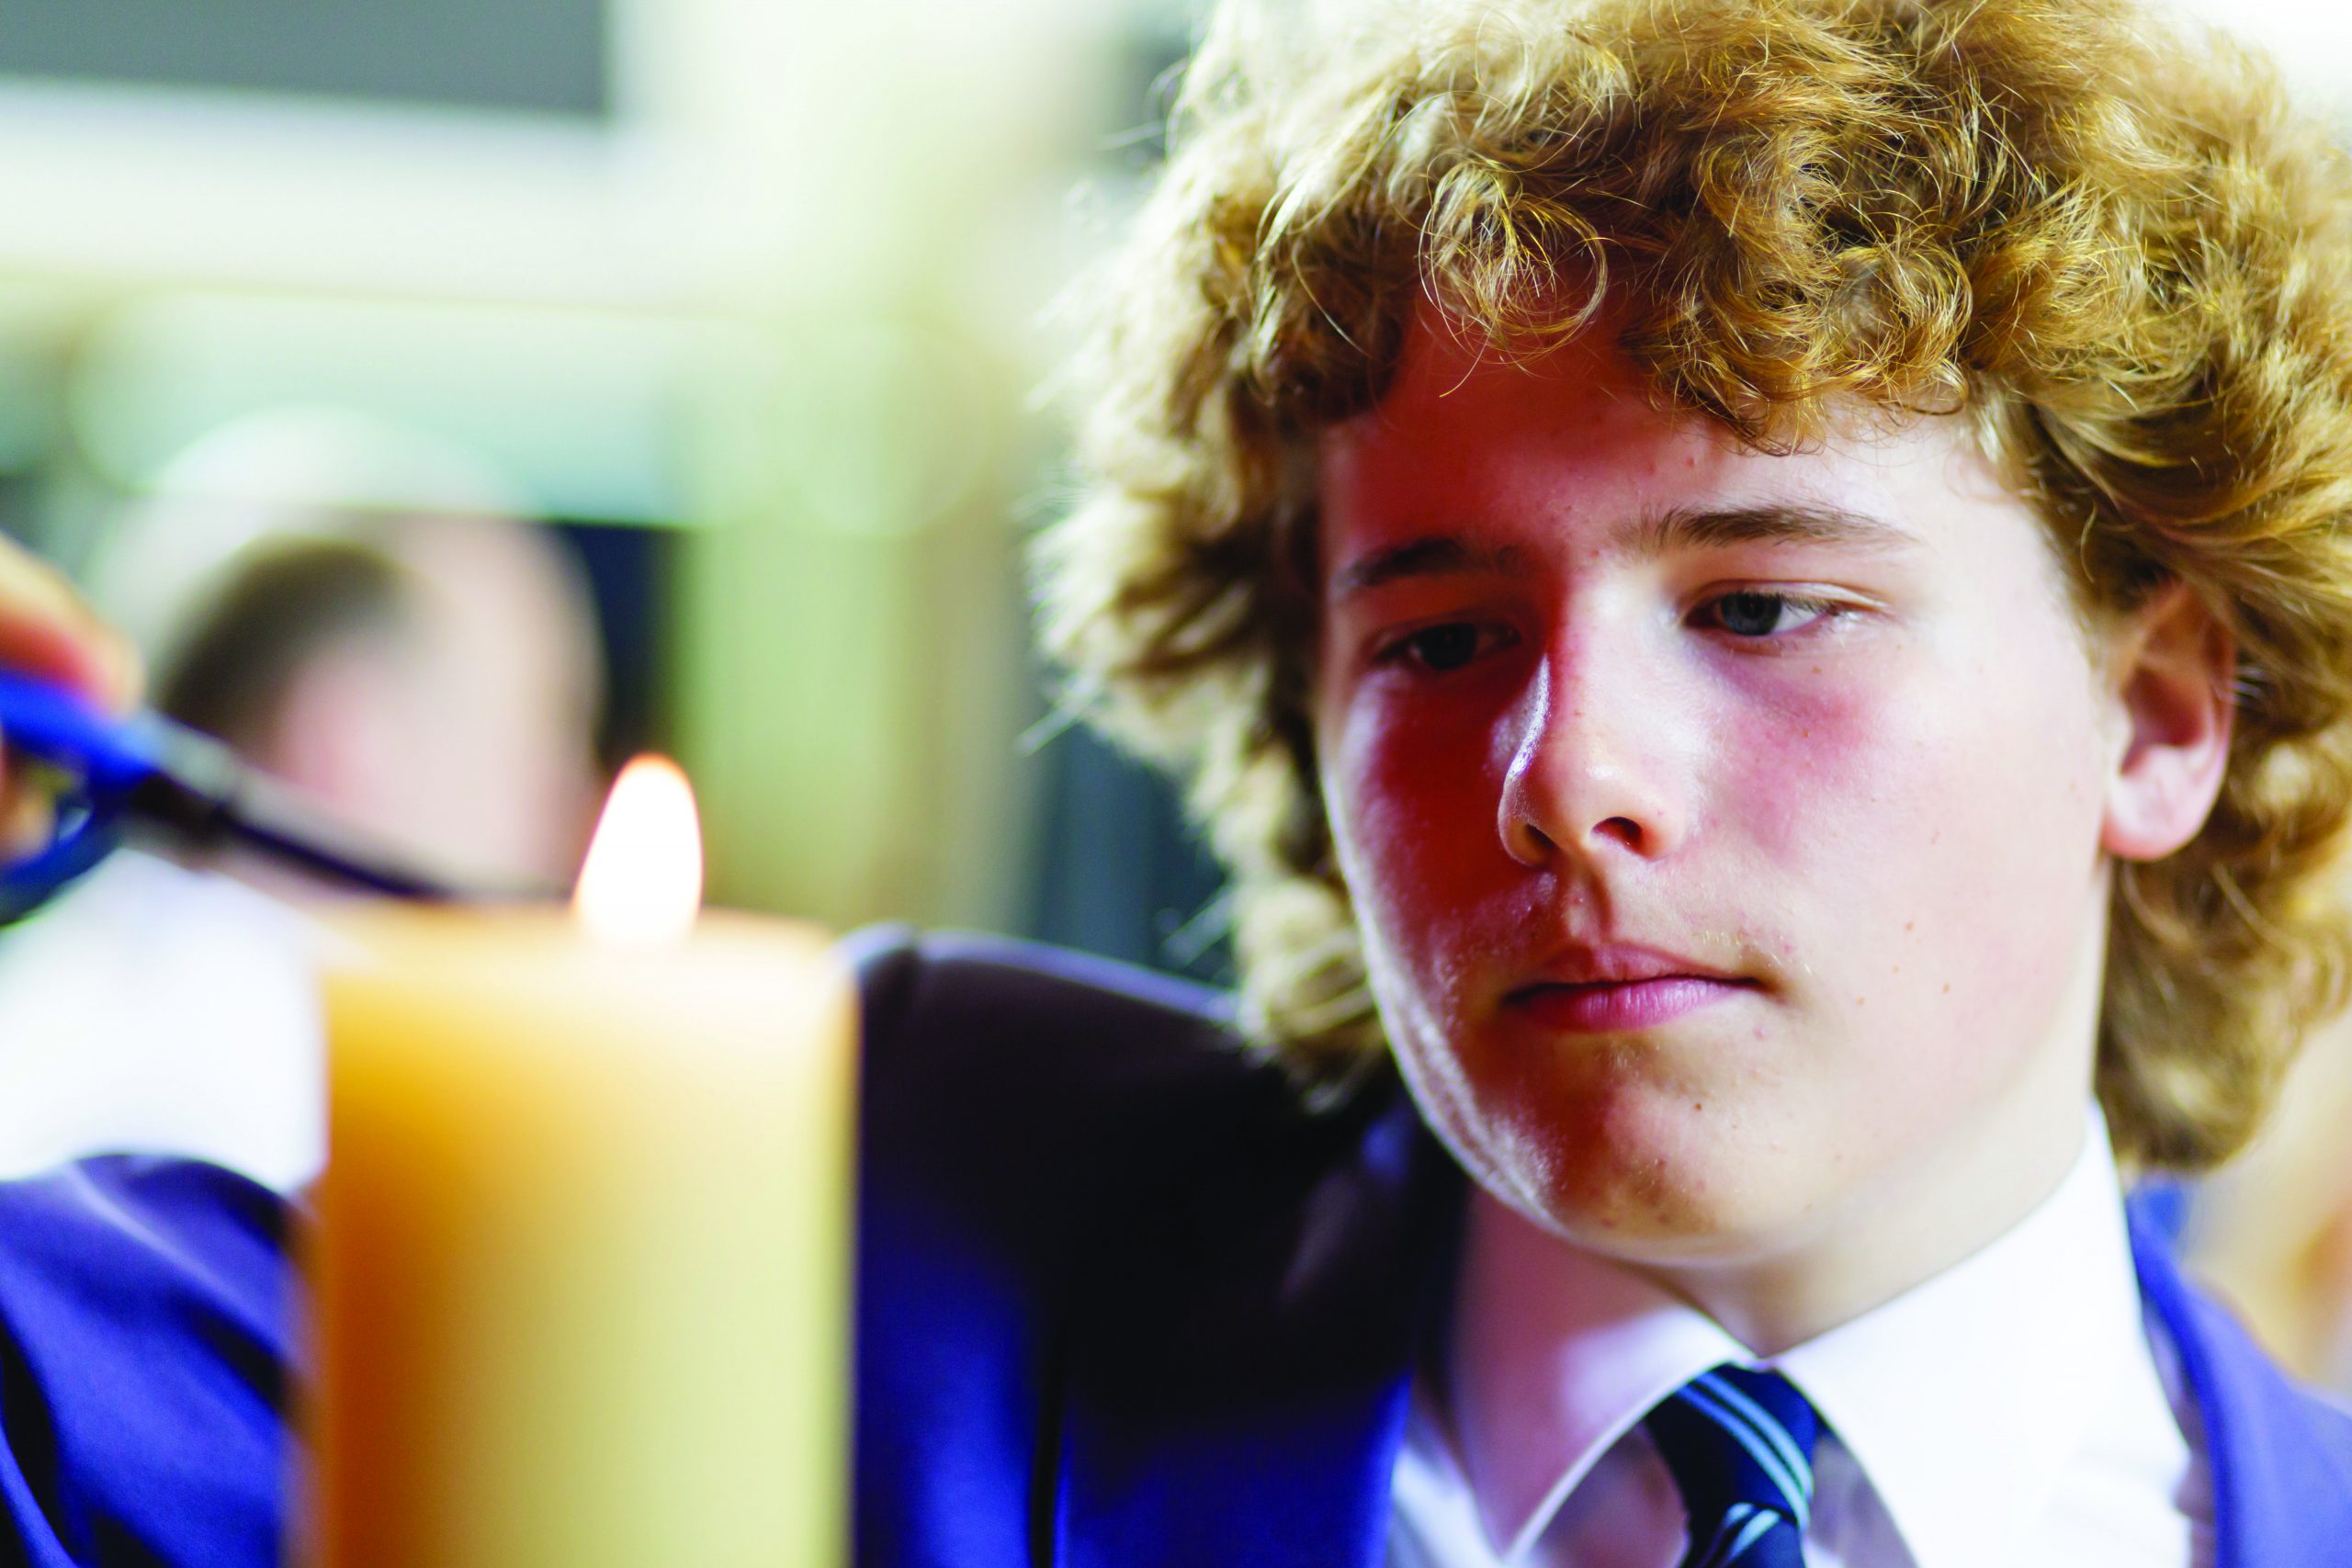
(2175, 669)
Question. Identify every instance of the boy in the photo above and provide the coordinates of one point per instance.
(1753, 588)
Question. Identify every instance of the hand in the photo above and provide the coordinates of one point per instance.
(46, 631)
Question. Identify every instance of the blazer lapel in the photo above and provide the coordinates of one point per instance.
(1300, 1486)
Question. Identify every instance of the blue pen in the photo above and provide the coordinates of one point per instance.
(145, 775)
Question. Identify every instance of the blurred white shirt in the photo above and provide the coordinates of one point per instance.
(154, 1009)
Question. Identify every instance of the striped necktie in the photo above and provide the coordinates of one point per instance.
(1739, 1444)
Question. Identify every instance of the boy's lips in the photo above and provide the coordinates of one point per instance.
(1613, 1006)
(1618, 987)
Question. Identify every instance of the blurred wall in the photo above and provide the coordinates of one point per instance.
(873, 622)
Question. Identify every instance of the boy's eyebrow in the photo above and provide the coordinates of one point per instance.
(1433, 555)
(1696, 528)
(1684, 527)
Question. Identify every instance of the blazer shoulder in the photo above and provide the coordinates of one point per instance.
(910, 978)
(145, 1306)
(1053, 1122)
(1054, 1056)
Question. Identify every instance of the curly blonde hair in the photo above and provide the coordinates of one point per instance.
(2110, 245)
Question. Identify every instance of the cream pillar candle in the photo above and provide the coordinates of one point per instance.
(581, 1259)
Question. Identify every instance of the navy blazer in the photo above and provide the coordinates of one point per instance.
(1124, 1299)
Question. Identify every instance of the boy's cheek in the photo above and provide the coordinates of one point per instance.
(1413, 809)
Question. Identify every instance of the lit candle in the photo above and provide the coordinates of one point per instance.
(580, 1257)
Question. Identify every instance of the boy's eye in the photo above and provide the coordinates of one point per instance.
(1754, 613)
(1448, 647)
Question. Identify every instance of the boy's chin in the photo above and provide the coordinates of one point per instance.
(1677, 1229)
(1677, 1199)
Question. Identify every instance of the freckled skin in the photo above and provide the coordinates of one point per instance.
(1884, 816)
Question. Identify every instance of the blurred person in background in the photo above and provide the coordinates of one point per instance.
(433, 678)
(444, 696)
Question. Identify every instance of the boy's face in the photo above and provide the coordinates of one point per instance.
(1724, 829)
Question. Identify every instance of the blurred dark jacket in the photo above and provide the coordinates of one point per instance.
(145, 1307)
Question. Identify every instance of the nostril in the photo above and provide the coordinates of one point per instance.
(1625, 829)
(1530, 842)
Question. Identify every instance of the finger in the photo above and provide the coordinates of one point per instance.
(46, 631)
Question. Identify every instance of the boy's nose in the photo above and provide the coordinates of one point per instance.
(1585, 776)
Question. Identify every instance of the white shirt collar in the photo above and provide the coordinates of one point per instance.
(1556, 1353)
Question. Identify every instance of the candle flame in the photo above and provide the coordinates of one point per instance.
(642, 882)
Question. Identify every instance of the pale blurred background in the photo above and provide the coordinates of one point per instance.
(741, 308)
